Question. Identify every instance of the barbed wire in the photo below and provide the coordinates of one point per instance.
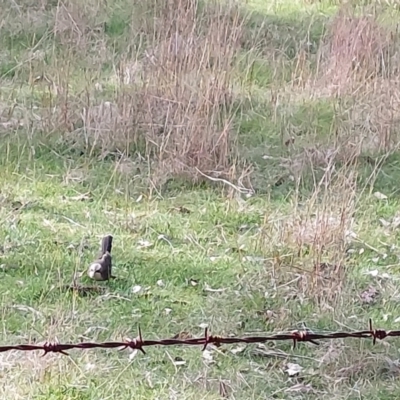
(139, 343)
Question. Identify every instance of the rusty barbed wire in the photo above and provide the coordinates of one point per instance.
(139, 343)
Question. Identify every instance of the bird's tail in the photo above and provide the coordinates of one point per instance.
(106, 244)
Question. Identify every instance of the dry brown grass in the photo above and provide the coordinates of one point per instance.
(174, 101)
(184, 108)
(171, 96)
(359, 65)
(357, 73)
(312, 239)
(356, 50)
(357, 76)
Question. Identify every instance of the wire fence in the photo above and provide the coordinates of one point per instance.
(139, 343)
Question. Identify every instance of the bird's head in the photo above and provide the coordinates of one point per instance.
(94, 269)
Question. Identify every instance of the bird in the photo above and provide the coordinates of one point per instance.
(100, 269)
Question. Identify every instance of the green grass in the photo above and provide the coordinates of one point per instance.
(50, 230)
(258, 253)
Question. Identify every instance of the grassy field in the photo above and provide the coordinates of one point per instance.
(244, 157)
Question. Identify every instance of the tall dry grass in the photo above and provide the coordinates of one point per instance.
(355, 71)
(169, 95)
(359, 61)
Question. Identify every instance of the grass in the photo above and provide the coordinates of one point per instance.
(260, 160)
(52, 226)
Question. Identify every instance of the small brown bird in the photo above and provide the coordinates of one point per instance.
(100, 269)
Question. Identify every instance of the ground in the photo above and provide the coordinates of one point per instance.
(303, 235)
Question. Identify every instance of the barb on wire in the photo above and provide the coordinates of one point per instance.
(139, 343)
